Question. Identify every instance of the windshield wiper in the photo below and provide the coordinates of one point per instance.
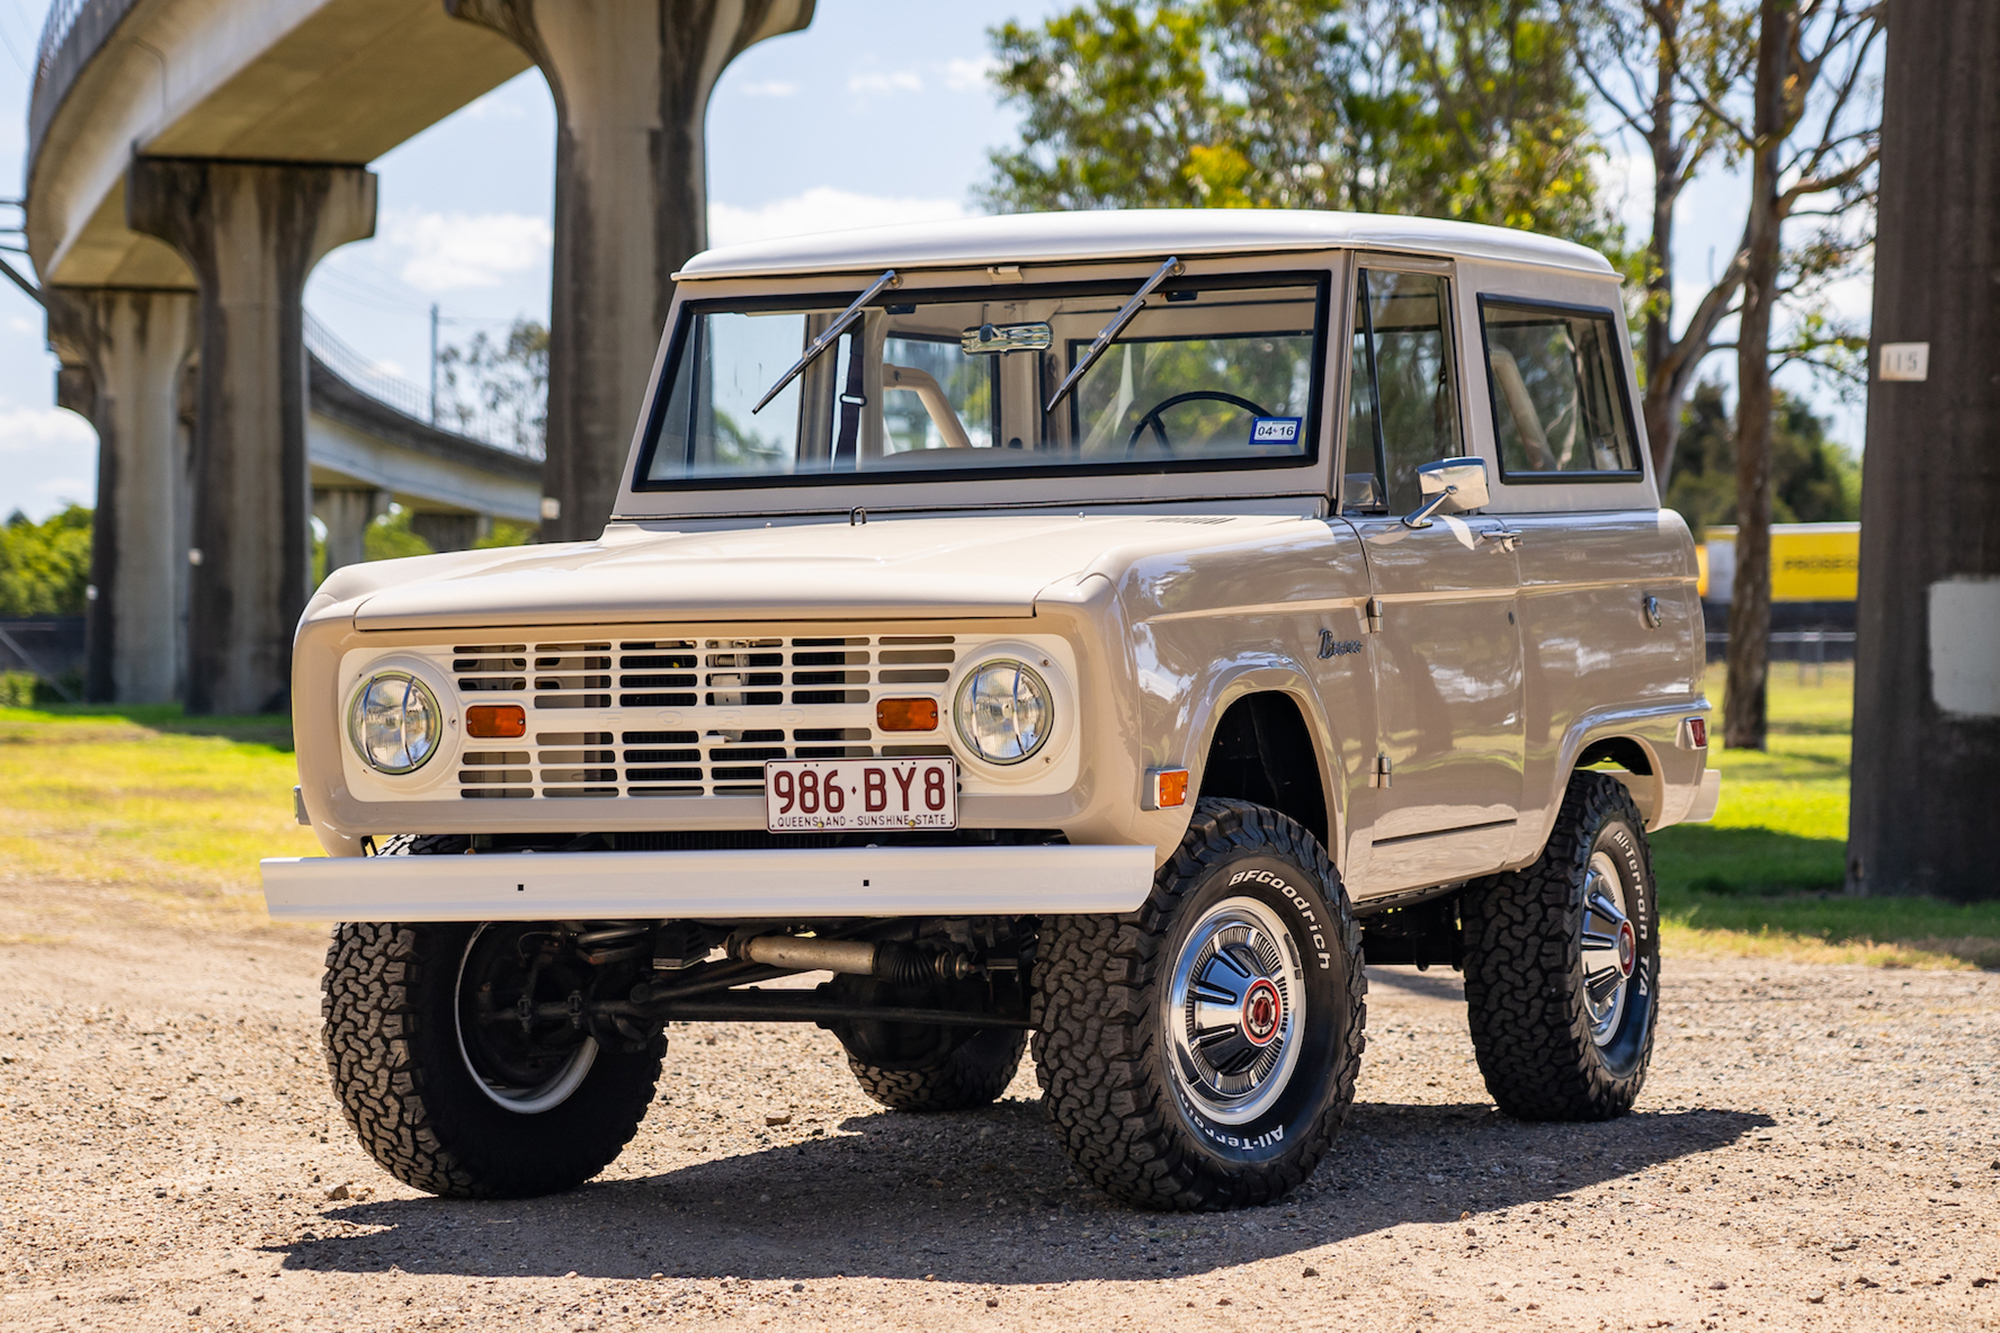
(1118, 322)
(826, 340)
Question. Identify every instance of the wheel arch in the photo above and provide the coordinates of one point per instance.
(1638, 768)
(1272, 715)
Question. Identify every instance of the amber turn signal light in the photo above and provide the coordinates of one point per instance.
(1170, 788)
(496, 722)
(906, 714)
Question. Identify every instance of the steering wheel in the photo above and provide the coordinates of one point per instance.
(1153, 414)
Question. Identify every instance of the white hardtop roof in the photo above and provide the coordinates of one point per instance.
(1046, 238)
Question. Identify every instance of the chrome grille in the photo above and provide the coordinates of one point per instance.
(686, 717)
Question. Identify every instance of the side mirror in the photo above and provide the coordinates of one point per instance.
(1455, 485)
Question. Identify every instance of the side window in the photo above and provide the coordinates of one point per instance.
(1403, 394)
(1559, 405)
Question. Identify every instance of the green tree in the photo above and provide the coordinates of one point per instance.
(45, 567)
(1813, 479)
(390, 538)
(502, 382)
(1469, 109)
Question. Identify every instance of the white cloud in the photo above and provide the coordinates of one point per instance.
(448, 250)
(40, 430)
(770, 88)
(819, 209)
(58, 493)
(874, 83)
(496, 105)
(968, 76)
(50, 460)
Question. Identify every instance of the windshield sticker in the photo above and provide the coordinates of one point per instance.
(1275, 430)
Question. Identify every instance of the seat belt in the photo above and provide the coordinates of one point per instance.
(852, 401)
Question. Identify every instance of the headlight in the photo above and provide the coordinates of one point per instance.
(395, 722)
(1005, 711)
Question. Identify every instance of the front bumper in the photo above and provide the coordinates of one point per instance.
(778, 883)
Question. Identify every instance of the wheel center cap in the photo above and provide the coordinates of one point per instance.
(1263, 1012)
(1628, 948)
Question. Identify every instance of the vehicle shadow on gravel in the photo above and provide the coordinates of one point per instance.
(988, 1196)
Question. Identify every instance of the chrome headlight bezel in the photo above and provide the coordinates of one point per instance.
(963, 704)
(417, 689)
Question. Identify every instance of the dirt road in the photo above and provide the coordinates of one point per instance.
(1818, 1148)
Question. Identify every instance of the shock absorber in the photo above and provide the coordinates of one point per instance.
(894, 961)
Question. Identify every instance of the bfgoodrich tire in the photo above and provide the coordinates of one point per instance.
(445, 1109)
(1562, 964)
(973, 1074)
(1202, 1051)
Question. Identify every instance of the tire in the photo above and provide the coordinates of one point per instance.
(1166, 1100)
(973, 1075)
(401, 1069)
(1550, 1046)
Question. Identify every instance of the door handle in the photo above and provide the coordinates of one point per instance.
(1507, 538)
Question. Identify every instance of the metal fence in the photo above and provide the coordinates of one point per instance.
(62, 17)
(50, 650)
(1809, 649)
(488, 428)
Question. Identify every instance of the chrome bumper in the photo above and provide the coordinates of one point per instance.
(772, 883)
(1706, 798)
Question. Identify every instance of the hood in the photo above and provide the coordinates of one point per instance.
(920, 568)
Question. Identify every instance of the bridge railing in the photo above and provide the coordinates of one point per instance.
(62, 17)
(492, 429)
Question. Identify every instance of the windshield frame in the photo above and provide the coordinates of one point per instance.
(1007, 485)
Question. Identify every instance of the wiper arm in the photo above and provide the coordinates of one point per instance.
(826, 340)
(1118, 322)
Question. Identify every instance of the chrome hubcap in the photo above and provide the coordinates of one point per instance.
(1610, 947)
(1234, 1011)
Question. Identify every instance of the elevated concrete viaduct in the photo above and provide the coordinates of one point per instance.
(362, 453)
(190, 160)
(631, 81)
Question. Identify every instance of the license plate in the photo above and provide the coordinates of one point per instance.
(915, 793)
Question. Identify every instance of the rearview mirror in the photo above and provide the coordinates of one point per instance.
(1455, 485)
(995, 339)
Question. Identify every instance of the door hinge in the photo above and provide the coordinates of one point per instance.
(1374, 610)
(1384, 774)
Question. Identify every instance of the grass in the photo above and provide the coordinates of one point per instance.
(1764, 879)
(162, 810)
(174, 813)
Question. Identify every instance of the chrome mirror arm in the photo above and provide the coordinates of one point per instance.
(1118, 322)
(826, 339)
(1422, 517)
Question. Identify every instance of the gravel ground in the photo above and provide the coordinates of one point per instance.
(1817, 1149)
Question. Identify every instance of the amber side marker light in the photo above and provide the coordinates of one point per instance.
(1169, 788)
(496, 722)
(906, 714)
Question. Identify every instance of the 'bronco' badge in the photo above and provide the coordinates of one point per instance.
(1332, 647)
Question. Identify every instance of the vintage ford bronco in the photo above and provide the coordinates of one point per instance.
(1098, 630)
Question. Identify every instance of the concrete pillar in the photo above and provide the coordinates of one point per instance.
(347, 514)
(251, 232)
(122, 351)
(446, 532)
(631, 80)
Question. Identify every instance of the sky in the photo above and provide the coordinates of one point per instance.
(880, 111)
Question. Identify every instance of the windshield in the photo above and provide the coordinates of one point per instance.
(1212, 372)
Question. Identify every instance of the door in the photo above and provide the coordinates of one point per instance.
(1446, 647)
(1608, 612)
